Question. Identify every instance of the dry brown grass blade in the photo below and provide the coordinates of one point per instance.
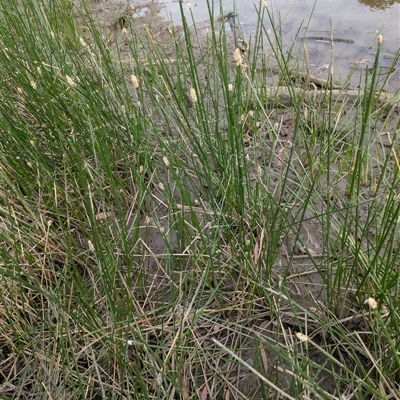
(262, 377)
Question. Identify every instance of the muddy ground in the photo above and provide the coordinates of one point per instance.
(304, 282)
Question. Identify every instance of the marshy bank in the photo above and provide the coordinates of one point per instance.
(187, 215)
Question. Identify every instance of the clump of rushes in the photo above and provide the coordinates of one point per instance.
(179, 226)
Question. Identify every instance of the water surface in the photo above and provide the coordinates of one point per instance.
(358, 21)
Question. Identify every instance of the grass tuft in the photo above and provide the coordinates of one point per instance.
(185, 215)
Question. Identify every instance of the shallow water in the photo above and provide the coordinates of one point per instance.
(358, 21)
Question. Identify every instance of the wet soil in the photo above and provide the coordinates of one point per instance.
(304, 279)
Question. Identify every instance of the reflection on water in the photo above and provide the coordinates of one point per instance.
(379, 4)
